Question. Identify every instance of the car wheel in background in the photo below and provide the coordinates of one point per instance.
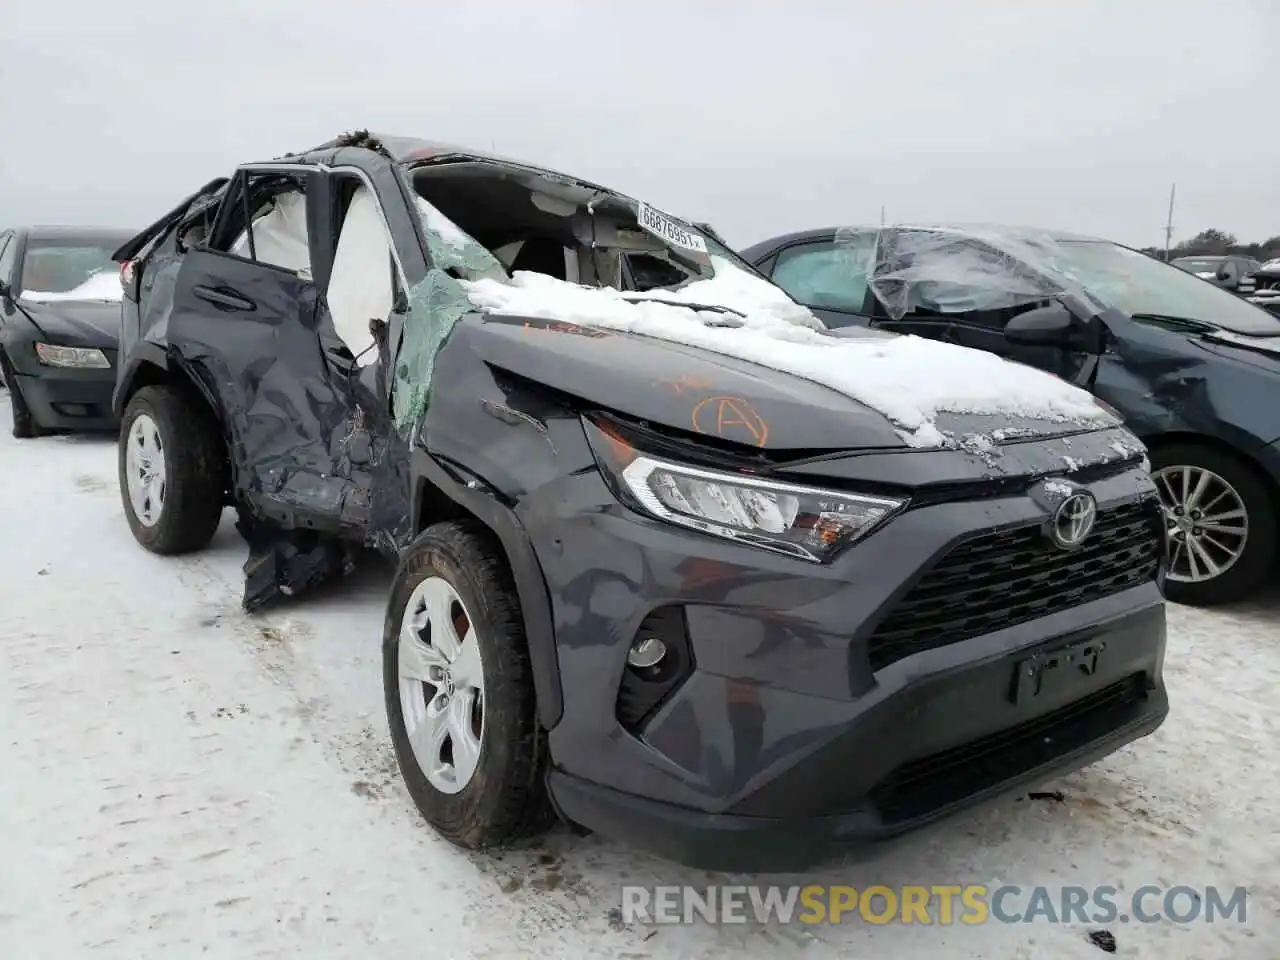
(1222, 524)
(459, 690)
(171, 468)
(24, 424)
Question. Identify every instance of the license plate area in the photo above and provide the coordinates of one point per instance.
(1055, 671)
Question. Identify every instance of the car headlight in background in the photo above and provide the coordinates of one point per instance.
(804, 522)
(85, 358)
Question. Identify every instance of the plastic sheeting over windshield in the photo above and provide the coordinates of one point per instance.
(944, 270)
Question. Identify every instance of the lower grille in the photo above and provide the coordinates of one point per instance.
(924, 786)
(997, 580)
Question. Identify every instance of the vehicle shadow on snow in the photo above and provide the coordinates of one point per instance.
(1029, 835)
(1265, 605)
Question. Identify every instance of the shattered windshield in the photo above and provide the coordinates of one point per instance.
(619, 264)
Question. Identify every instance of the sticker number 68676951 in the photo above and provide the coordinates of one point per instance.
(667, 230)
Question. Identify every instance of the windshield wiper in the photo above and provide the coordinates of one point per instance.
(712, 307)
(1179, 323)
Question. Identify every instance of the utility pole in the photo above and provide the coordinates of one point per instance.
(882, 214)
(1168, 228)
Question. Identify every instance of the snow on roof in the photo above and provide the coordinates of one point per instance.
(909, 380)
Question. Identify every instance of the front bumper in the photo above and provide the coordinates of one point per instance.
(867, 773)
(77, 400)
(65, 398)
(786, 738)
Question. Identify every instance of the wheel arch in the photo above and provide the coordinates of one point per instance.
(154, 368)
(157, 369)
(1252, 463)
(445, 493)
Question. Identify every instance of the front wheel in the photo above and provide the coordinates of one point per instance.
(1222, 524)
(171, 468)
(24, 422)
(459, 690)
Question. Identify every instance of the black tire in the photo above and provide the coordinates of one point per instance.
(506, 797)
(24, 423)
(1255, 563)
(195, 467)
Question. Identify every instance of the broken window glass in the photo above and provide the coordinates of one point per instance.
(434, 306)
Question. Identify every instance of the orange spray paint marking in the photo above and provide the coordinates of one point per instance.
(730, 418)
(687, 381)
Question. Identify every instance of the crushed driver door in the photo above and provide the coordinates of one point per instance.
(247, 323)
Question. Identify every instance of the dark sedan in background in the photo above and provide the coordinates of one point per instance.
(1229, 272)
(59, 327)
(1194, 370)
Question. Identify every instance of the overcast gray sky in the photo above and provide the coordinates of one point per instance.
(760, 117)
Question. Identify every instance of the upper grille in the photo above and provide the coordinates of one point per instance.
(1265, 282)
(996, 580)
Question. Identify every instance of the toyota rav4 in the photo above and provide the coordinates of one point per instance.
(675, 561)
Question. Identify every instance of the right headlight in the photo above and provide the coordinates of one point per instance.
(804, 522)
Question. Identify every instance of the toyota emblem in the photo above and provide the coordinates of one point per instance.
(1073, 520)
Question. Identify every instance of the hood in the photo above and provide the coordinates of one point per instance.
(739, 342)
(90, 323)
(680, 387)
(695, 390)
(1260, 352)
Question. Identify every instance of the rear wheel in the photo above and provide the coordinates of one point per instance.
(24, 424)
(171, 468)
(459, 690)
(1222, 524)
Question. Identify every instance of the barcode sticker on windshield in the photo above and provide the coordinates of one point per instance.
(668, 231)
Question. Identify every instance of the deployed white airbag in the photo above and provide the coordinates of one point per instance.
(360, 287)
(280, 236)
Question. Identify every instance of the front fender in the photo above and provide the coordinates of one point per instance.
(143, 363)
(473, 495)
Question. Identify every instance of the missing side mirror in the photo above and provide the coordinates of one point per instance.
(1049, 326)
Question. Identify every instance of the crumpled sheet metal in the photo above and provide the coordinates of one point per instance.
(435, 305)
(326, 468)
(953, 271)
(315, 470)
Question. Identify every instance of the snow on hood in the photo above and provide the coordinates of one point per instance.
(100, 286)
(907, 379)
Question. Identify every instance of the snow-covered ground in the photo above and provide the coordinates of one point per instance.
(178, 779)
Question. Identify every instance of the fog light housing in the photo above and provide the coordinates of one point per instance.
(646, 653)
(658, 660)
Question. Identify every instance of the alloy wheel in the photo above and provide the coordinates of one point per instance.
(1207, 519)
(145, 472)
(441, 681)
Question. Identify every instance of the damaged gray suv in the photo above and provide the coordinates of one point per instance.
(675, 561)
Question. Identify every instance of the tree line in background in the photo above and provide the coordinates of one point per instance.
(1218, 243)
